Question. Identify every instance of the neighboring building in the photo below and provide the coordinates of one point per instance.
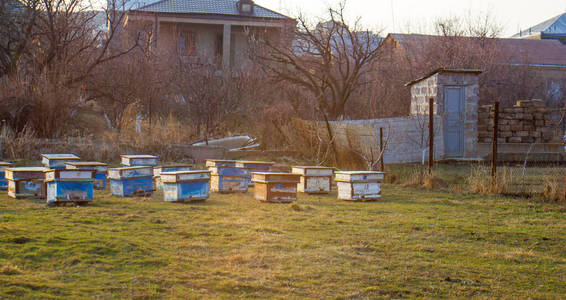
(514, 69)
(206, 31)
(551, 29)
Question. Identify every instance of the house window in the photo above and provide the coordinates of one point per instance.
(186, 43)
(246, 6)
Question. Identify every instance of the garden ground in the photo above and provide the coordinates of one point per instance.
(411, 243)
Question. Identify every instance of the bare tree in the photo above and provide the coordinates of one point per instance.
(329, 60)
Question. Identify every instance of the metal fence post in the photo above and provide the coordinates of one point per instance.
(494, 142)
(430, 134)
(381, 166)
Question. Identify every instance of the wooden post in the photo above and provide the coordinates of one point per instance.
(381, 167)
(430, 134)
(494, 141)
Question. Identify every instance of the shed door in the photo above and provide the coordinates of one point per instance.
(454, 110)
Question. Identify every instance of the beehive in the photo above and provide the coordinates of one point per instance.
(314, 179)
(139, 160)
(57, 161)
(220, 163)
(101, 171)
(359, 185)
(3, 180)
(170, 168)
(275, 187)
(65, 185)
(131, 181)
(26, 182)
(229, 179)
(186, 185)
(254, 166)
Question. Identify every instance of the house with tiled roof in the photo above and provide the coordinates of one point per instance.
(513, 69)
(551, 29)
(206, 31)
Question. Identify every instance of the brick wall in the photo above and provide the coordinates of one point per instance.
(529, 121)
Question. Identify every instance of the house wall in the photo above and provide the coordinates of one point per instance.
(206, 38)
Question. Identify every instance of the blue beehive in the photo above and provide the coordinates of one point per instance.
(162, 169)
(255, 166)
(101, 170)
(185, 185)
(138, 160)
(229, 179)
(3, 180)
(70, 185)
(26, 182)
(131, 181)
(57, 161)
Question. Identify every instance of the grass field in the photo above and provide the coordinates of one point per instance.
(410, 244)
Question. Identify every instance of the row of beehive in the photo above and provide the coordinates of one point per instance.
(180, 183)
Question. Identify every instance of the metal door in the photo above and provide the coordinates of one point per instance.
(454, 111)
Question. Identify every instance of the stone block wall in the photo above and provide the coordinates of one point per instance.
(529, 121)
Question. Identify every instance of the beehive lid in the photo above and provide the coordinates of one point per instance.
(60, 156)
(171, 168)
(66, 174)
(86, 164)
(359, 176)
(27, 169)
(250, 162)
(130, 172)
(219, 162)
(275, 177)
(313, 170)
(229, 171)
(17, 173)
(180, 176)
(133, 156)
(5, 164)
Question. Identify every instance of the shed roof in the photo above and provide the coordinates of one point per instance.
(208, 7)
(555, 25)
(444, 70)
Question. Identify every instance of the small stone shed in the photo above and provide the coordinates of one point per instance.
(455, 94)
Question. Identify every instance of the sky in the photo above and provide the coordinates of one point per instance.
(411, 15)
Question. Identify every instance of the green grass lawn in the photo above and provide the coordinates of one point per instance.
(410, 244)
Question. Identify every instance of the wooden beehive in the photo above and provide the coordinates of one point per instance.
(26, 182)
(131, 181)
(65, 185)
(255, 166)
(226, 179)
(139, 160)
(3, 180)
(168, 168)
(275, 187)
(359, 185)
(314, 179)
(220, 163)
(101, 171)
(186, 185)
(57, 161)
